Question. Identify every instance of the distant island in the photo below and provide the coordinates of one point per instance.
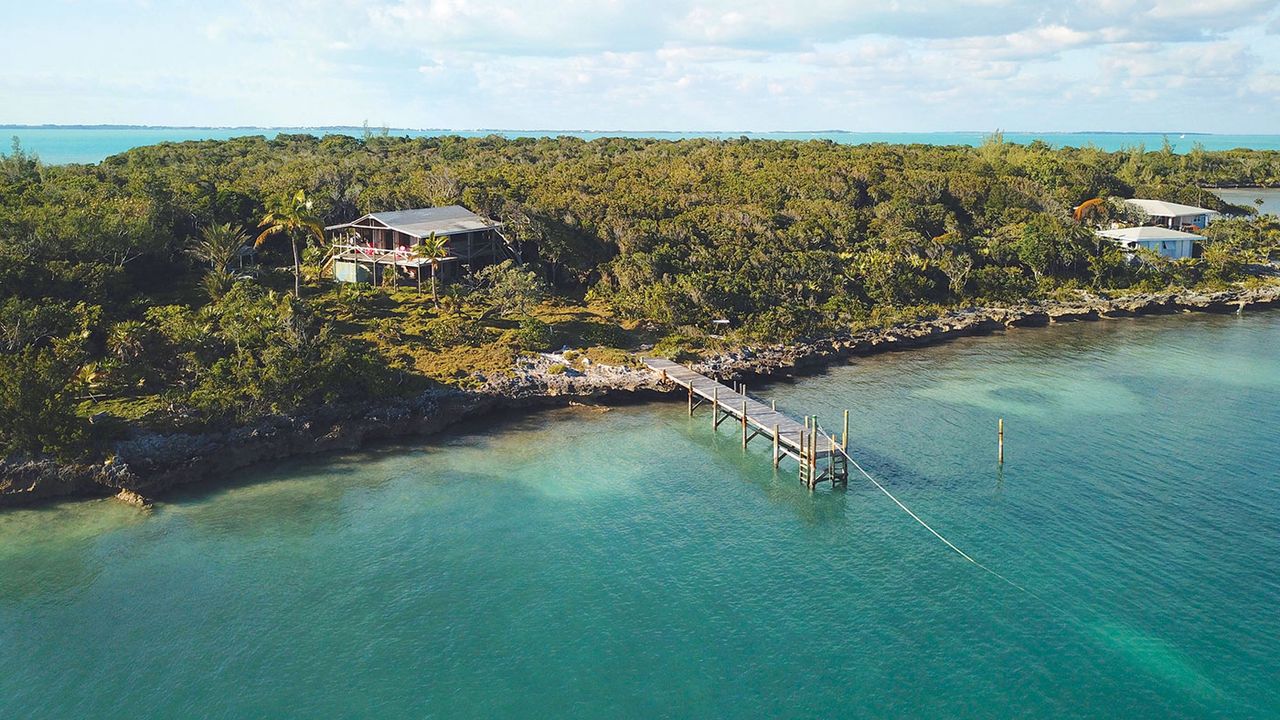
(619, 131)
(58, 144)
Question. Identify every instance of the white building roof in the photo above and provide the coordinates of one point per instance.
(1146, 234)
(1160, 208)
(421, 222)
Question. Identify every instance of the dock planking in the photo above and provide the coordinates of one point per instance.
(810, 447)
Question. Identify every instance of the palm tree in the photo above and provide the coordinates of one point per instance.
(433, 249)
(291, 216)
(218, 245)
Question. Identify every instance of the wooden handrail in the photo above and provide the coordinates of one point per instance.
(374, 253)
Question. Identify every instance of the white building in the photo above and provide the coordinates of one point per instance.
(1175, 215)
(1173, 244)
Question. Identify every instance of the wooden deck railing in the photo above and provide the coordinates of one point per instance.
(372, 253)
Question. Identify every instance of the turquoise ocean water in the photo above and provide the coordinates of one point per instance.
(1249, 197)
(633, 563)
(82, 145)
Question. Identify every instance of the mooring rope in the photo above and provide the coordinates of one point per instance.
(926, 525)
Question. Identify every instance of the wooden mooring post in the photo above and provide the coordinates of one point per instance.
(803, 463)
(813, 455)
(831, 460)
(1000, 440)
(776, 458)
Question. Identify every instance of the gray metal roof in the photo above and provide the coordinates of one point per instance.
(1160, 208)
(421, 222)
(1147, 233)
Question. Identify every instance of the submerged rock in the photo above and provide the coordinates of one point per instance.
(130, 497)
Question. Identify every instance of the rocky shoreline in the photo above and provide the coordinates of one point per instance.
(775, 359)
(149, 464)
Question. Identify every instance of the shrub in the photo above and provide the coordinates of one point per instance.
(37, 403)
(387, 330)
(510, 288)
(1003, 284)
(1223, 262)
(216, 283)
(889, 279)
(535, 335)
(454, 330)
(354, 299)
(31, 322)
(598, 333)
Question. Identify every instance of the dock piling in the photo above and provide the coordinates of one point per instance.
(804, 462)
(776, 458)
(831, 460)
(813, 455)
(802, 439)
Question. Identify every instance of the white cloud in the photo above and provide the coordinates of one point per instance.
(736, 64)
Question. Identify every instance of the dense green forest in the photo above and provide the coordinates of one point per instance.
(121, 298)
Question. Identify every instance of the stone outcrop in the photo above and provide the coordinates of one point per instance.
(130, 497)
(40, 480)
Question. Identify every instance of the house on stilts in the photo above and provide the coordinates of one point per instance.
(367, 248)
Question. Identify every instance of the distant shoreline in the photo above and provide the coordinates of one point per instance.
(89, 144)
(639, 131)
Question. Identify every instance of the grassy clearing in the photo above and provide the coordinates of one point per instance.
(462, 343)
(137, 408)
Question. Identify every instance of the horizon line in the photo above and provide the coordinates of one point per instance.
(544, 131)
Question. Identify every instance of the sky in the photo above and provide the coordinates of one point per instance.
(701, 65)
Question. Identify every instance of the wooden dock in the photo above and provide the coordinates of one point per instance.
(819, 455)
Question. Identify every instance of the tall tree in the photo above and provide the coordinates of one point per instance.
(292, 216)
(433, 249)
(510, 288)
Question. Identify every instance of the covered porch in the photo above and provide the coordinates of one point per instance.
(356, 263)
(365, 247)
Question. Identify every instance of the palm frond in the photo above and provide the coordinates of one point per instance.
(262, 236)
(316, 228)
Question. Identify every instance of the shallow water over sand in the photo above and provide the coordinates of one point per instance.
(632, 563)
